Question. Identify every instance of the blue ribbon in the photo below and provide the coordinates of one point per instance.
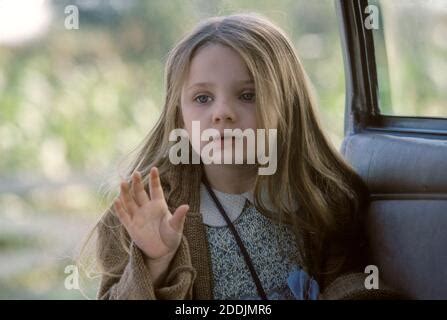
(302, 286)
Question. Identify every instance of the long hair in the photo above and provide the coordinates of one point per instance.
(310, 172)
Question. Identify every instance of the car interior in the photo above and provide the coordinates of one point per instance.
(403, 161)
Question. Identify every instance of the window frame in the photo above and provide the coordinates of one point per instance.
(362, 111)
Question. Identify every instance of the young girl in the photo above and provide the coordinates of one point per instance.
(221, 231)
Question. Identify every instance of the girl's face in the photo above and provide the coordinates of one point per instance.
(218, 92)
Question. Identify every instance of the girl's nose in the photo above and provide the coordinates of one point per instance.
(223, 112)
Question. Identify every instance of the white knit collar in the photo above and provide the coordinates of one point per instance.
(232, 203)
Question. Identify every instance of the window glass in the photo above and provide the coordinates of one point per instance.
(411, 53)
(81, 84)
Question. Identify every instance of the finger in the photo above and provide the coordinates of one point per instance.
(138, 192)
(154, 185)
(178, 218)
(123, 216)
(127, 200)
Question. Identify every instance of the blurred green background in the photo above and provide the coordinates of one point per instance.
(73, 102)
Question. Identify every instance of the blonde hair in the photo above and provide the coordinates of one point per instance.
(310, 171)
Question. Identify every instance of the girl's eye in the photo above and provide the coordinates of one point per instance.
(249, 96)
(202, 99)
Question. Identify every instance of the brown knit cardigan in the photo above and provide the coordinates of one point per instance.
(190, 273)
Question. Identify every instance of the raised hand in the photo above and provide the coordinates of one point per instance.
(148, 221)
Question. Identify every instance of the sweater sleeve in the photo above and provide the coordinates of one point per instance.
(126, 276)
(351, 286)
(349, 282)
